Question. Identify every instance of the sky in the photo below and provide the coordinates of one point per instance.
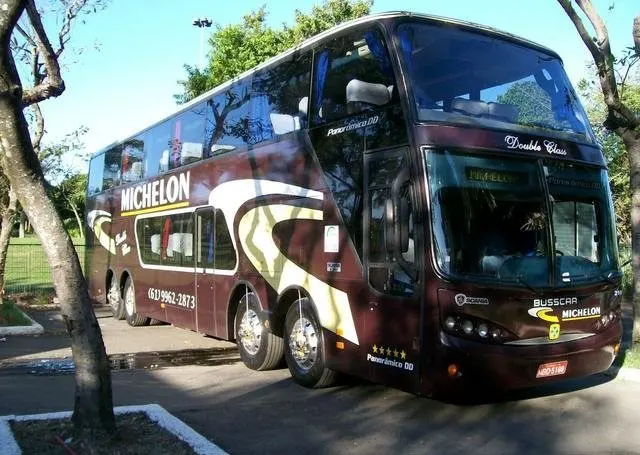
(122, 65)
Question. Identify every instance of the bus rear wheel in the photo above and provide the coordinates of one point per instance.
(114, 299)
(133, 318)
(259, 348)
(303, 347)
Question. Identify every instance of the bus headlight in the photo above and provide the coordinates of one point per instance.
(450, 323)
(483, 330)
(467, 327)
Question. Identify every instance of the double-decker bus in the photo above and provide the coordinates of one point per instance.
(413, 200)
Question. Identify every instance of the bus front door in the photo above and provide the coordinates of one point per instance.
(204, 271)
(393, 317)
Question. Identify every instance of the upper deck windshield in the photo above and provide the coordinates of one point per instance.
(493, 219)
(464, 77)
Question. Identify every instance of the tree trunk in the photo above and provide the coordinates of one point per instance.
(93, 406)
(631, 140)
(23, 221)
(5, 234)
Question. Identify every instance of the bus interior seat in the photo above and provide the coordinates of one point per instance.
(504, 112)
(190, 153)
(362, 95)
(303, 107)
(182, 243)
(284, 123)
(155, 243)
(477, 108)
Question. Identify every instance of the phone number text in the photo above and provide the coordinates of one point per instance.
(172, 298)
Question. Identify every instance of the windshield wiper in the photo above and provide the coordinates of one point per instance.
(522, 282)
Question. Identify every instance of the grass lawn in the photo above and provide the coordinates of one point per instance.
(632, 357)
(27, 269)
(10, 315)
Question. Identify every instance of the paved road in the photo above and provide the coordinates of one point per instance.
(247, 412)
(119, 338)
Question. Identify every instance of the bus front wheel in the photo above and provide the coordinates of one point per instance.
(259, 348)
(304, 347)
(133, 318)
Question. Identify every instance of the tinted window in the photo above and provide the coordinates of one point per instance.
(166, 240)
(215, 249)
(96, 168)
(352, 74)
(225, 255)
(188, 135)
(158, 140)
(111, 175)
(279, 100)
(227, 120)
(132, 160)
(466, 77)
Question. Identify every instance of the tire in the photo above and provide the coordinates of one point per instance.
(259, 348)
(304, 347)
(114, 300)
(133, 318)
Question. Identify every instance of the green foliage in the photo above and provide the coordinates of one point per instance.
(67, 196)
(613, 148)
(533, 103)
(325, 16)
(10, 315)
(236, 48)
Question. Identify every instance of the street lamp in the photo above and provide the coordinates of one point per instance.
(201, 23)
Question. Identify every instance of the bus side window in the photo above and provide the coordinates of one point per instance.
(111, 175)
(227, 120)
(96, 171)
(149, 239)
(177, 240)
(157, 145)
(353, 74)
(132, 160)
(276, 96)
(188, 137)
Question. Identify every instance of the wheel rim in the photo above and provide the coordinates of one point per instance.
(129, 300)
(114, 296)
(250, 332)
(303, 343)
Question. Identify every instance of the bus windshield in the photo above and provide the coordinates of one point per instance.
(463, 77)
(493, 219)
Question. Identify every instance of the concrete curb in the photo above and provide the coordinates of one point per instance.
(199, 444)
(33, 329)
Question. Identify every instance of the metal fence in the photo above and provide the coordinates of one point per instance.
(27, 269)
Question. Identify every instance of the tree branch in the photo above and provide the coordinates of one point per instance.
(52, 85)
(65, 31)
(619, 115)
(39, 128)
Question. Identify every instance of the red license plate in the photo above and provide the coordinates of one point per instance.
(552, 369)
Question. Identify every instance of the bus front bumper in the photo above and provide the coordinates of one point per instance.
(505, 367)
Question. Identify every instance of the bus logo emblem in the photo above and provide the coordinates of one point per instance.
(554, 331)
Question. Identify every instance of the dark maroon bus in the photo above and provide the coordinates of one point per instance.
(417, 201)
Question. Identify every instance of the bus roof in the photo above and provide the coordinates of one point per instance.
(309, 42)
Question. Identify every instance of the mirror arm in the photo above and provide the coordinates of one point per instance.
(401, 179)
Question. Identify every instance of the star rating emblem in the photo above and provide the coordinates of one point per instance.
(403, 355)
(389, 352)
(395, 353)
(375, 349)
